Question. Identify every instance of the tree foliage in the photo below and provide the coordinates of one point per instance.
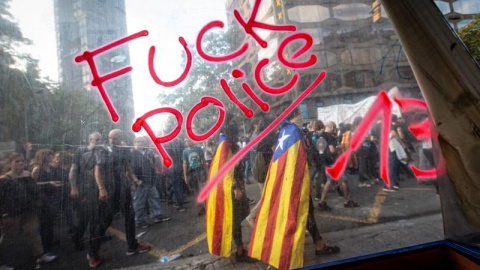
(204, 80)
(470, 34)
(33, 108)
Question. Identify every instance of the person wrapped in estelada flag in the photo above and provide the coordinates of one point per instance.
(286, 207)
(227, 203)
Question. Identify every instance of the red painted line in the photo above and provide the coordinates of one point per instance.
(240, 154)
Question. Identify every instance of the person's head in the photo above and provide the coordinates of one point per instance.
(16, 162)
(348, 127)
(140, 143)
(330, 127)
(115, 137)
(356, 122)
(94, 138)
(189, 143)
(62, 159)
(42, 158)
(394, 118)
(318, 125)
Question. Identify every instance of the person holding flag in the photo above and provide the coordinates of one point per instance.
(227, 204)
(286, 207)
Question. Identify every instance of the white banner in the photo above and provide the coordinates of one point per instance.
(347, 112)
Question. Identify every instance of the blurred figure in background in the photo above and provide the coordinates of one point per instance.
(143, 165)
(61, 164)
(18, 213)
(42, 173)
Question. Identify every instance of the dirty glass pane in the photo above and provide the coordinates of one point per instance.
(79, 186)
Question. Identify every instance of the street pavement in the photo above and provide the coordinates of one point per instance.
(384, 221)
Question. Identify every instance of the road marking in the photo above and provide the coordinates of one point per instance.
(195, 241)
(377, 206)
(374, 214)
(343, 218)
(158, 252)
(418, 189)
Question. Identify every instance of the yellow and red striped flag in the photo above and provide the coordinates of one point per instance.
(219, 204)
(278, 236)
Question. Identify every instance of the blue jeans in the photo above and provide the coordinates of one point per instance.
(393, 166)
(247, 171)
(176, 187)
(143, 193)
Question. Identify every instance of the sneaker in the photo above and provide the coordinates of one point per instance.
(388, 190)
(317, 199)
(396, 187)
(179, 208)
(46, 258)
(351, 204)
(94, 261)
(323, 206)
(140, 249)
(244, 257)
(250, 201)
(142, 225)
(327, 250)
(160, 219)
(361, 185)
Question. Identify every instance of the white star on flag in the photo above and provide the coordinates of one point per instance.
(281, 140)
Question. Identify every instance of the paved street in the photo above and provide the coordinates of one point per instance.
(383, 221)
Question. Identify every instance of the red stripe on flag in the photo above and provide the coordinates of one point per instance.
(220, 205)
(286, 253)
(252, 241)
(274, 204)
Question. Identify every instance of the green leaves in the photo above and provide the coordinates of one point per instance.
(470, 34)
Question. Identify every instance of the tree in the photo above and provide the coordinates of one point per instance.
(34, 109)
(204, 79)
(470, 34)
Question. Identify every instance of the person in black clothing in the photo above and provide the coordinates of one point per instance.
(61, 163)
(329, 156)
(47, 187)
(143, 165)
(18, 206)
(314, 158)
(85, 191)
(118, 182)
(175, 172)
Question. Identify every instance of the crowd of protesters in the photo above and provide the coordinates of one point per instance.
(85, 189)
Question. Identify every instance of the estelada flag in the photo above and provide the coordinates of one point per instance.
(219, 204)
(278, 236)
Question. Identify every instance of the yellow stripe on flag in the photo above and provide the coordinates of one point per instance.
(262, 215)
(284, 206)
(302, 216)
(228, 213)
(214, 213)
(211, 204)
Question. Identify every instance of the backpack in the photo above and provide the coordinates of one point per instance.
(313, 155)
(260, 168)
